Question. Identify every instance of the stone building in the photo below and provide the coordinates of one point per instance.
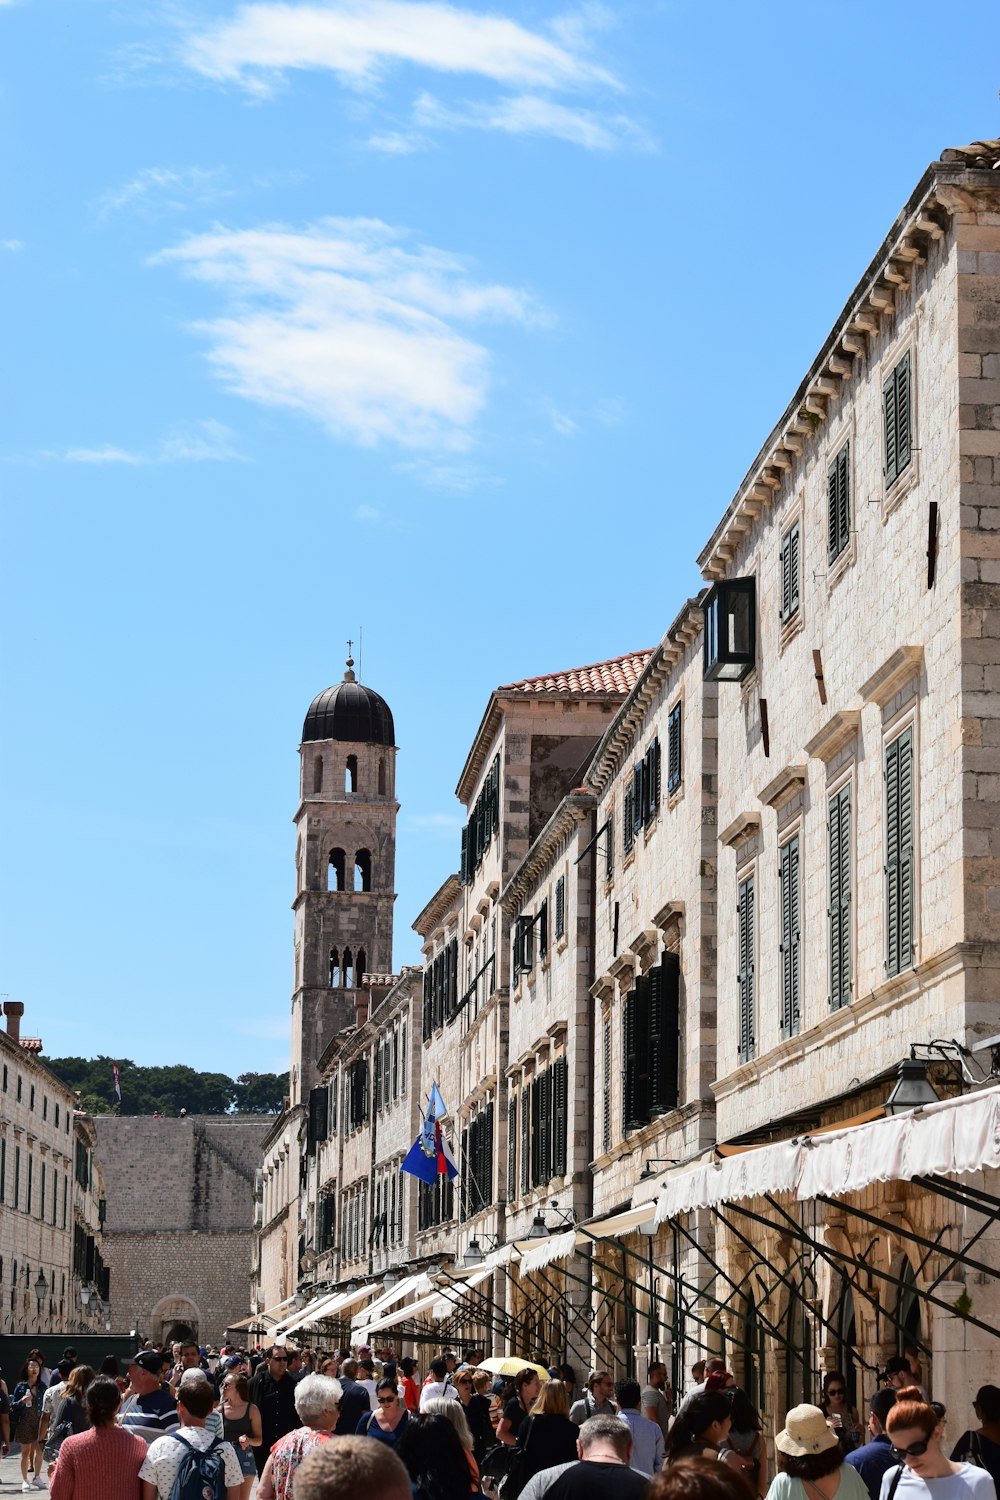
(725, 907)
(53, 1274)
(179, 1233)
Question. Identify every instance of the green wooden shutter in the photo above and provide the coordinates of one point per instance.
(899, 853)
(512, 1147)
(790, 996)
(903, 411)
(790, 572)
(674, 760)
(839, 908)
(464, 866)
(747, 1040)
(542, 923)
(889, 423)
(560, 1092)
(651, 779)
(467, 1174)
(838, 503)
(655, 1041)
(525, 1141)
(629, 1062)
(628, 825)
(536, 1131)
(640, 798)
(544, 1126)
(560, 906)
(606, 1079)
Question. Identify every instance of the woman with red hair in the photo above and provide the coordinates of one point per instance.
(926, 1473)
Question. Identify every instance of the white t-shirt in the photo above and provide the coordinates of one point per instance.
(437, 1388)
(52, 1398)
(970, 1483)
(369, 1386)
(165, 1456)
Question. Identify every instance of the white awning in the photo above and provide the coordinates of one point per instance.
(950, 1138)
(389, 1320)
(327, 1305)
(538, 1253)
(403, 1288)
(449, 1293)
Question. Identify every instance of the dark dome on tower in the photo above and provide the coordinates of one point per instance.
(349, 711)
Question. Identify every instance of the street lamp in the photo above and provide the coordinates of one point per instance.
(474, 1255)
(913, 1089)
(389, 1280)
(539, 1229)
(299, 1300)
(85, 1295)
(41, 1287)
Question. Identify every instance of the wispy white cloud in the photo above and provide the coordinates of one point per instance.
(524, 114)
(611, 411)
(360, 40)
(199, 442)
(353, 323)
(370, 513)
(561, 422)
(160, 190)
(455, 476)
(12, 245)
(433, 822)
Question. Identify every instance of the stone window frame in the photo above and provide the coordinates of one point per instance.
(904, 343)
(894, 725)
(844, 432)
(790, 628)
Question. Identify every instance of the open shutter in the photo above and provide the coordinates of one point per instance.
(560, 906)
(839, 909)
(640, 798)
(525, 1141)
(630, 1067)
(747, 1040)
(560, 1089)
(903, 406)
(655, 1041)
(511, 1147)
(464, 866)
(319, 1102)
(651, 779)
(466, 1176)
(544, 1126)
(606, 1078)
(542, 923)
(899, 853)
(664, 1037)
(790, 937)
(786, 576)
(536, 1133)
(674, 766)
(628, 824)
(642, 1060)
(838, 500)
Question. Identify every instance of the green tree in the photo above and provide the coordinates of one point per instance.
(166, 1090)
(261, 1093)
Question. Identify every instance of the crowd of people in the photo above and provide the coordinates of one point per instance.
(189, 1423)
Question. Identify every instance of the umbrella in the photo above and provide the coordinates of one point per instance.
(511, 1364)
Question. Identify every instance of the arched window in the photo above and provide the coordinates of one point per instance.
(351, 774)
(334, 969)
(381, 775)
(336, 870)
(361, 965)
(318, 774)
(363, 870)
(348, 969)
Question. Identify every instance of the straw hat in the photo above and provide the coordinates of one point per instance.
(806, 1431)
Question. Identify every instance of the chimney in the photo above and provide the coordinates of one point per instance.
(361, 1007)
(13, 1010)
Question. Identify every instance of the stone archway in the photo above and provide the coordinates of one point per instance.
(174, 1318)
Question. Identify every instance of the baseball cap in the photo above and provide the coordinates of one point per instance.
(898, 1365)
(232, 1362)
(147, 1360)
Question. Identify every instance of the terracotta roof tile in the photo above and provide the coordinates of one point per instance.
(31, 1044)
(619, 675)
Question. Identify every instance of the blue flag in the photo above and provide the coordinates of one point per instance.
(430, 1155)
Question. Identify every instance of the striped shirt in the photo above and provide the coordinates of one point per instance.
(150, 1416)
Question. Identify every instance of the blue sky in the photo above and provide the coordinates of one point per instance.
(456, 324)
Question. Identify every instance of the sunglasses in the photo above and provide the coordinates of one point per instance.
(913, 1451)
(387, 1400)
(836, 1390)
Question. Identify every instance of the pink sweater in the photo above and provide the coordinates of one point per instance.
(102, 1464)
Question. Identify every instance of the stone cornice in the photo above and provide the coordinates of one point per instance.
(573, 808)
(445, 899)
(788, 781)
(740, 829)
(607, 759)
(922, 222)
(893, 674)
(838, 730)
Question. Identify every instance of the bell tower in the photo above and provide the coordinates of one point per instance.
(345, 860)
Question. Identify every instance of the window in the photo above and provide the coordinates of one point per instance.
(524, 945)
(897, 410)
(642, 798)
(319, 1115)
(482, 825)
(477, 1163)
(57, 1117)
(560, 913)
(525, 1138)
(335, 974)
(336, 869)
(745, 911)
(45, 1106)
(544, 1122)
(31, 1097)
(17, 1177)
(41, 1193)
(675, 764)
(730, 630)
(20, 1088)
(791, 569)
(838, 504)
(839, 896)
(435, 1202)
(790, 955)
(351, 774)
(381, 775)
(899, 854)
(3, 1170)
(650, 1044)
(511, 1148)
(6, 1080)
(318, 774)
(357, 1085)
(606, 1059)
(363, 870)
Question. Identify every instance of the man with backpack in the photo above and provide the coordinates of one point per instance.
(191, 1463)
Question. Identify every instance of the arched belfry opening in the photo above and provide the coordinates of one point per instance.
(351, 774)
(363, 870)
(334, 969)
(336, 870)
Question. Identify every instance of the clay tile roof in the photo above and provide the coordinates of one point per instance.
(619, 675)
(979, 154)
(31, 1044)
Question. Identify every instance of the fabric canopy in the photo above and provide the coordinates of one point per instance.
(447, 1301)
(390, 1319)
(326, 1306)
(950, 1138)
(403, 1288)
(538, 1253)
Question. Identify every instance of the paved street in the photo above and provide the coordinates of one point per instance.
(10, 1477)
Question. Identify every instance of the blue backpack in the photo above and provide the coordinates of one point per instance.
(202, 1474)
